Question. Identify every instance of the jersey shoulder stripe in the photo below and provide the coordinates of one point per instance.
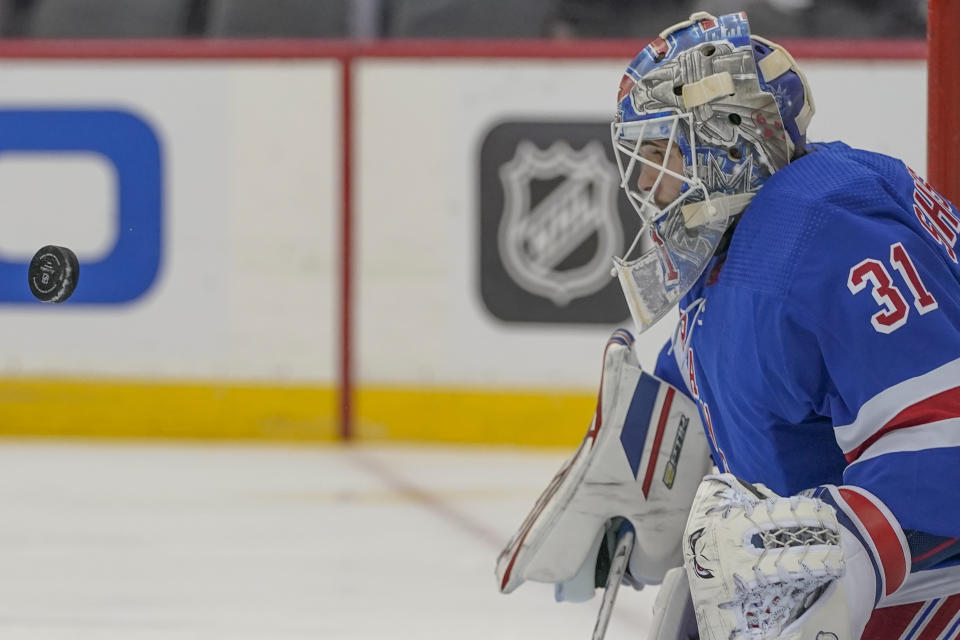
(930, 397)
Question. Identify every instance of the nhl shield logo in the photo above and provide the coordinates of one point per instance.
(536, 236)
(550, 217)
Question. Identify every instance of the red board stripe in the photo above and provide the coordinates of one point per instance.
(884, 537)
(942, 406)
(658, 440)
(948, 609)
(211, 48)
(346, 255)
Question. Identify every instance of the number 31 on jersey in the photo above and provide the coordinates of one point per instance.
(894, 310)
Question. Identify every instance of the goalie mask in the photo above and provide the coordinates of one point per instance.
(706, 113)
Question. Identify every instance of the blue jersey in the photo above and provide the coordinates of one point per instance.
(823, 346)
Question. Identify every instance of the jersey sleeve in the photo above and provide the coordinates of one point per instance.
(878, 303)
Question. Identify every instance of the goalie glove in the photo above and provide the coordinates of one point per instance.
(805, 567)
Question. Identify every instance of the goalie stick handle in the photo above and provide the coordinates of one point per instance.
(618, 567)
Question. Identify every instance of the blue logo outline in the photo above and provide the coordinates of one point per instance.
(130, 144)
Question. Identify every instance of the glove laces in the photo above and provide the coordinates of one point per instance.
(766, 603)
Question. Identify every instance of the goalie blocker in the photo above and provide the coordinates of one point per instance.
(640, 462)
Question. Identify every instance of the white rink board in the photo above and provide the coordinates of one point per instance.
(420, 316)
(248, 279)
(880, 106)
(416, 214)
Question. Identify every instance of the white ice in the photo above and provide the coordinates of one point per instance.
(146, 541)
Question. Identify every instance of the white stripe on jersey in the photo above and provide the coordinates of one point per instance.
(881, 408)
(926, 585)
(950, 630)
(936, 435)
(923, 615)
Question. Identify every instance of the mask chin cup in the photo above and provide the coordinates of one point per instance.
(677, 256)
(643, 283)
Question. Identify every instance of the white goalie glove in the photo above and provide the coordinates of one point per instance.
(806, 567)
(638, 467)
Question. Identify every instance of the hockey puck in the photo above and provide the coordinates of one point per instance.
(53, 274)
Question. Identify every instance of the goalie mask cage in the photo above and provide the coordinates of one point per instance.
(943, 97)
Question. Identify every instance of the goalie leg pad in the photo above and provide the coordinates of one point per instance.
(642, 459)
(673, 617)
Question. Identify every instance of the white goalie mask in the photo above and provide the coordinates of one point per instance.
(677, 238)
(706, 113)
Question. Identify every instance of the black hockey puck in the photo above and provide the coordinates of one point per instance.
(53, 274)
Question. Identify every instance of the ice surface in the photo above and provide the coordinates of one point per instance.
(149, 541)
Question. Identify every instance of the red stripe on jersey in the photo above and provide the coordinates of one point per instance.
(692, 374)
(942, 406)
(937, 549)
(884, 538)
(658, 440)
(889, 623)
(948, 609)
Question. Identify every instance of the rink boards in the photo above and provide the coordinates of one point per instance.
(463, 321)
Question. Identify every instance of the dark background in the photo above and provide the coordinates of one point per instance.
(503, 297)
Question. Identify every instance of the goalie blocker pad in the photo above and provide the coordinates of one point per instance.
(642, 459)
